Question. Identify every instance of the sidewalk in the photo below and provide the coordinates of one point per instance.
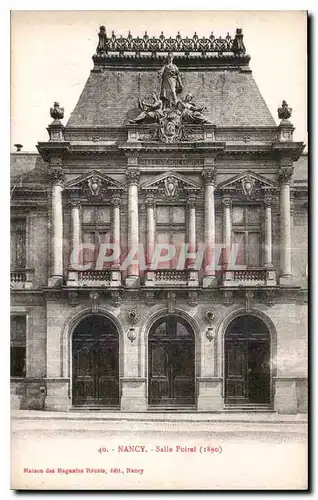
(155, 421)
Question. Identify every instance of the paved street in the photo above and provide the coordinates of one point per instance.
(167, 451)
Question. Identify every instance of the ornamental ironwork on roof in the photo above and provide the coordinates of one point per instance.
(153, 45)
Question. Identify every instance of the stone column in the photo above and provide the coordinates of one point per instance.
(151, 238)
(285, 176)
(210, 264)
(76, 230)
(192, 271)
(133, 176)
(57, 228)
(115, 268)
(227, 239)
(75, 260)
(268, 231)
(268, 264)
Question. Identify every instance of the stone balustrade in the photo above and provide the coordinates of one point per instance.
(172, 276)
(246, 277)
(98, 277)
(21, 278)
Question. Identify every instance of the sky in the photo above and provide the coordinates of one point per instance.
(51, 57)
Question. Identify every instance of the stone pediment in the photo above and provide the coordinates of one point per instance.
(171, 184)
(94, 184)
(248, 182)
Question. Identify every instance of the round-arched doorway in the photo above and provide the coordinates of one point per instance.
(247, 370)
(95, 363)
(171, 363)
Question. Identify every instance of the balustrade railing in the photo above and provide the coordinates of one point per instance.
(93, 275)
(18, 276)
(154, 45)
(171, 275)
(249, 275)
(21, 278)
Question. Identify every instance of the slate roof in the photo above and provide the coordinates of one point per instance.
(231, 96)
(28, 168)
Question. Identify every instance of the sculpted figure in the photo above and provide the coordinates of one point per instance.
(151, 112)
(170, 83)
(190, 112)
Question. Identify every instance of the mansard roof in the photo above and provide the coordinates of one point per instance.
(214, 70)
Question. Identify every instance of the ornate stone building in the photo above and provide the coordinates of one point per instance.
(159, 248)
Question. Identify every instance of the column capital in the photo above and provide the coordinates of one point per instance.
(268, 199)
(208, 175)
(191, 200)
(116, 199)
(150, 200)
(285, 174)
(133, 176)
(74, 203)
(226, 201)
(56, 176)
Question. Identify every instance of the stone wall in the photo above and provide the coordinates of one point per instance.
(288, 352)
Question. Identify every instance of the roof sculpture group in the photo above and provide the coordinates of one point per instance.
(167, 109)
